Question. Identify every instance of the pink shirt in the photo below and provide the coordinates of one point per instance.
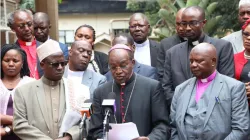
(202, 85)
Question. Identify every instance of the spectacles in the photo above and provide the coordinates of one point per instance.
(22, 25)
(56, 64)
(245, 34)
(120, 68)
(191, 24)
(139, 26)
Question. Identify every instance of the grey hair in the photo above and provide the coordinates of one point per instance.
(12, 14)
(243, 2)
(144, 17)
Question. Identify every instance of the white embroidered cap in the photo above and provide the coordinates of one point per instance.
(48, 48)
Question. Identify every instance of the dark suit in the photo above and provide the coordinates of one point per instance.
(63, 47)
(166, 44)
(140, 69)
(147, 109)
(102, 61)
(154, 46)
(177, 70)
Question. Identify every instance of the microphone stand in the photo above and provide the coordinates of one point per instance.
(82, 128)
(106, 125)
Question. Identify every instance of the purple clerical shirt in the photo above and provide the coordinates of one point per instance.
(202, 85)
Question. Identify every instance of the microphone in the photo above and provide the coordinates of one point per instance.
(86, 109)
(86, 112)
(108, 104)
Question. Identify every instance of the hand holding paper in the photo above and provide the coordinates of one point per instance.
(124, 131)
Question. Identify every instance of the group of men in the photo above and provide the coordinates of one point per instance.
(180, 89)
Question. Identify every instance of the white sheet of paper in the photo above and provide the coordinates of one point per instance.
(123, 131)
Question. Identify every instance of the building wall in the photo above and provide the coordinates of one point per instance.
(100, 22)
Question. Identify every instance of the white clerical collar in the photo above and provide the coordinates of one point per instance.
(75, 73)
(28, 43)
(204, 80)
(184, 38)
(146, 43)
(195, 42)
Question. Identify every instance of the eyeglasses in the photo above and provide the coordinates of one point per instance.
(245, 34)
(22, 25)
(192, 24)
(139, 26)
(56, 64)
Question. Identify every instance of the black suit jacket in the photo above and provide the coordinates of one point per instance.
(147, 109)
(154, 46)
(165, 44)
(140, 69)
(102, 61)
(177, 70)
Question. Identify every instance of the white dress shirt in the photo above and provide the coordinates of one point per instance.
(142, 53)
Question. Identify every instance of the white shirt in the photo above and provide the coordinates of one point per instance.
(142, 53)
(76, 76)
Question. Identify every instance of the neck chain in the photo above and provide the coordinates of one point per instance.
(128, 100)
(246, 56)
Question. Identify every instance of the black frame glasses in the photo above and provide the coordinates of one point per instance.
(56, 64)
(191, 24)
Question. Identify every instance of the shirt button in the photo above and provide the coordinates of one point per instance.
(54, 109)
(56, 121)
(48, 131)
(53, 88)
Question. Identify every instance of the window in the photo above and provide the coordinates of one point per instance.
(66, 36)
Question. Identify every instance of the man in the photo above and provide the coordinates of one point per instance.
(39, 106)
(145, 49)
(169, 42)
(139, 68)
(41, 30)
(79, 57)
(176, 67)
(21, 22)
(236, 37)
(209, 106)
(138, 99)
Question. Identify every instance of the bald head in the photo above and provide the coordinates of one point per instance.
(203, 60)
(40, 16)
(79, 55)
(178, 15)
(41, 26)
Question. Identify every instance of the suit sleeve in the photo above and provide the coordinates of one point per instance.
(96, 124)
(21, 126)
(160, 61)
(102, 81)
(167, 82)
(153, 74)
(226, 60)
(159, 115)
(174, 132)
(240, 114)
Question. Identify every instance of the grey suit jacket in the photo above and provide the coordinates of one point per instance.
(31, 115)
(177, 70)
(226, 119)
(90, 79)
(140, 69)
(236, 40)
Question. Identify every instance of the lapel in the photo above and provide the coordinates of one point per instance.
(137, 67)
(41, 100)
(87, 80)
(185, 98)
(62, 100)
(184, 59)
(215, 91)
(153, 53)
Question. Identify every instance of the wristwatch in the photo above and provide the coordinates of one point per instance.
(7, 130)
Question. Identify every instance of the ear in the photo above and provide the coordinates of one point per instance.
(50, 26)
(214, 61)
(133, 62)
(70, 52)
(204, 22)
(42, 65)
